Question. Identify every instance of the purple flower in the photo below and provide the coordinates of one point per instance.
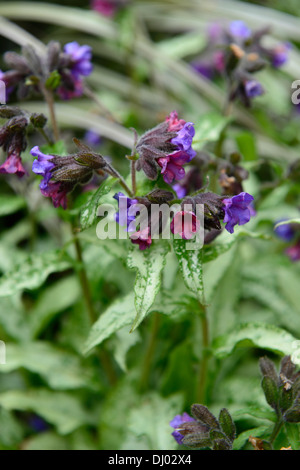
(168, 146)
(172, 164)
(253, 88)
(239, 30)
(293, 252)
(44, 166)
(280, 54)
(13, 165)
(80, 57)
(122, 216)
(92, 138)
(181, 191)
(237, 210)
(72, 88)
(206, 69)
(177, 422)
(285, 232)
(142, 238)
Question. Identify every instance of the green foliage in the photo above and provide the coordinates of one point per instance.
(105, 342)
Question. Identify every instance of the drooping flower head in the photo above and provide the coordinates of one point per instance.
(13, 141)
(168, 146)
(62, 174)
(238, 210)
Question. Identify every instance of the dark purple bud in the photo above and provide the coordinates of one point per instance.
(280, 54)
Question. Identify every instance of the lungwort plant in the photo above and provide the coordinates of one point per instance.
(149, 227)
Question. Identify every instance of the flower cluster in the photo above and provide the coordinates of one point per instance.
(167, 147)
(289, 233)
(62, 174)
(204, 430)
(282, 391)
(13, 137)
(236, 52)
(59, 70)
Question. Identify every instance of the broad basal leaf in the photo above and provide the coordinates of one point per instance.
(190, 262)
(149, 265)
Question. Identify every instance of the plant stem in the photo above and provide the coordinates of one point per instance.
(111, 171)
(277, 427)
(149, 353)
(48, 95)
(84, 282)
(133, 176)
(103, 355)
(202, 376)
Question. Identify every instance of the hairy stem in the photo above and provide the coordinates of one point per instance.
(48, 95)
(111, 171)
(133, 176)
(203, 369)
(277, 427)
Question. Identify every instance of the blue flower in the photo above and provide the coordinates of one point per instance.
(280, 54)
(253, 88)
(239, 30)
(237, 210)
(122, 217)
(81, 58)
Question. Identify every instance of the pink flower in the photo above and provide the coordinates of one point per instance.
(185, 224)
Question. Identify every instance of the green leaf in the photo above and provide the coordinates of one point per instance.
(10, 204)
(261, 335)
(33, 271)
(190, 262)
(149, 265)
(242, 439)
(148, 426)
(60, 369)
(58, 148)
(11, 432)
(88, 214)
(53, 300)
(119, 314)
(209, 129)
(61, 409)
